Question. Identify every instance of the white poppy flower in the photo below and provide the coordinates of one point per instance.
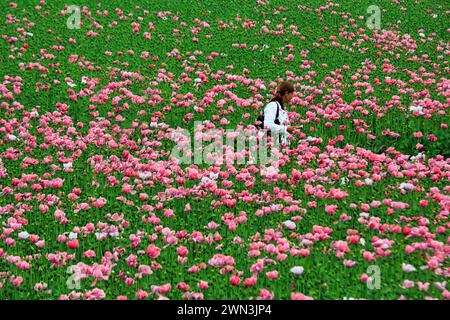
(213, 175)
(73, 235)
(144, 175)
(24, 235)
(406, 186)
(298, 270)
(290, 225)
(416, 108)
(67, 165)
(364, 215)
(408, 268)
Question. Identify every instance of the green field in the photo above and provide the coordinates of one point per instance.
(86, 152)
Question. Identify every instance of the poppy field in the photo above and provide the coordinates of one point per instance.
(94, 205)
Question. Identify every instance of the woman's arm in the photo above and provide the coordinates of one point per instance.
(269, 117)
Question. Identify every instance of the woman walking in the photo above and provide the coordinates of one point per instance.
(275, 117)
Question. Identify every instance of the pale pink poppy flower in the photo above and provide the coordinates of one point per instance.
(299, 296)
(440, 285)
(141, 294)
(349, 263)
(423, 286)
(265, 294)
(203, 285)
(407, 284)
(16, 281)
(272, 274)
(40, 244)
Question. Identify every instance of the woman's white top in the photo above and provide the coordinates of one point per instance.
(270, 112)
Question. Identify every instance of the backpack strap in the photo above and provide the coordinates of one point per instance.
(276, 121)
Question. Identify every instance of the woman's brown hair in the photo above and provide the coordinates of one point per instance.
(282, 89)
